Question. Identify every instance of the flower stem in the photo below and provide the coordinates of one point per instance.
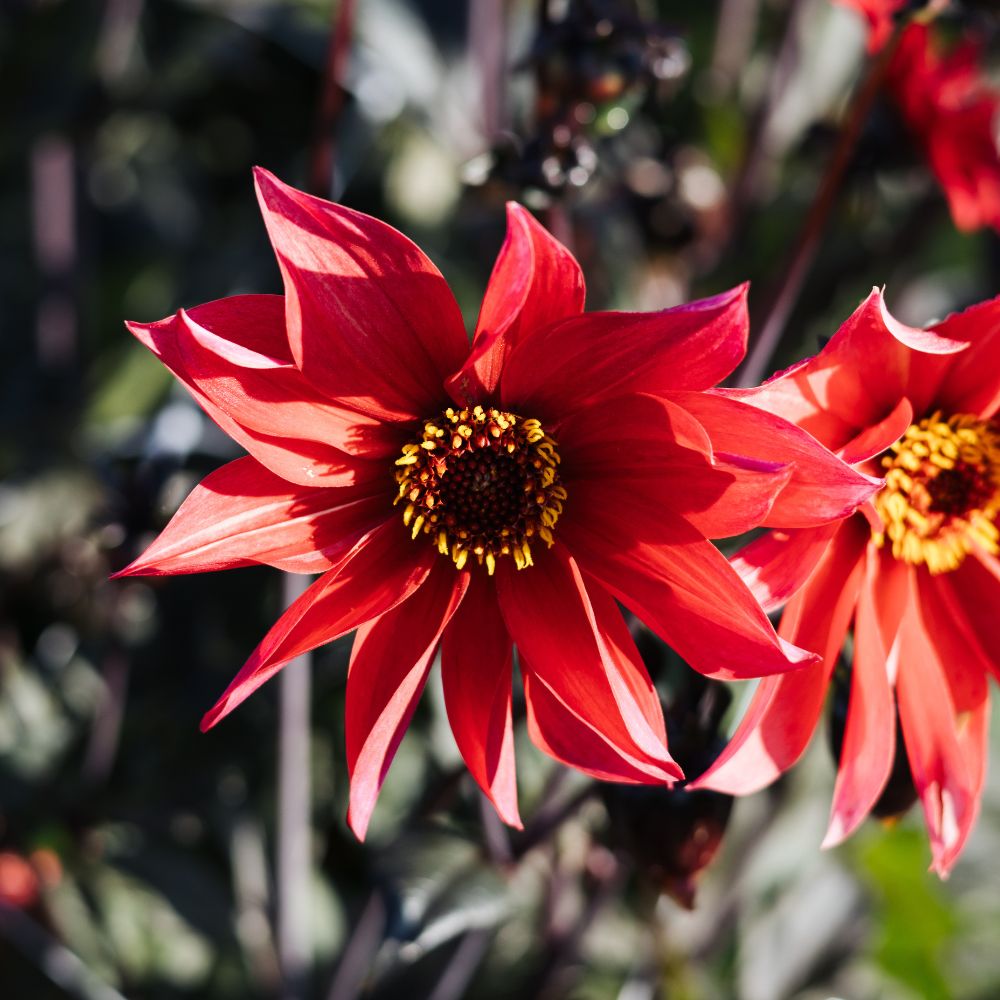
(331, 102)
(294, 820)
(784, 297)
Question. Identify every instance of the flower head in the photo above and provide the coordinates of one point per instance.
(954, 113)
(881, 17)
(915, 574)
(476, 498)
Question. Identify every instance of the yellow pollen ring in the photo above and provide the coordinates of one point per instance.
(942, 492)
(481, 482)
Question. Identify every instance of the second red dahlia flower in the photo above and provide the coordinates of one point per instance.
(916, 575)
(477, 499)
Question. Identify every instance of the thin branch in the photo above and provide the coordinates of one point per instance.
(332, 98)
(359, 950)
(294, 923)
(784, 298)
(462, 965)
(549, 818)
(54, 960)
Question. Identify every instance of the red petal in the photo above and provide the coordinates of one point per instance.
(594, 357)
(778, 563)
(680, 585)
(383, 569)
(263, 393)
(242, 515)
(389, 664)
(870, 736)
(476, 674)
(308, 463)
(829, 396)
(784, 711)
(972, 382)
(968, 666)
(974, 589)
(536, 281)
(576, 653)
(370, 320)
(651, 446)
(874, 440)
(938, 741)
(822, 487)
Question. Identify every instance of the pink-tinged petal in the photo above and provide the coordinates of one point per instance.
(830, 396)
(679, 584)
(654, 448)
(577, 657)
(890, 583)
(775, 565)
(371, 322)
(263, 393)
(972, 383)
(389, 664)
(949, 789)
(584, 361)
(874, 440)
(476, 672)
(821, 488)
(870, 735)
(973, 596)
(381, 570)
(785, 710)
(305, 462)
(244, 515)
(536, 281)
(968, 666)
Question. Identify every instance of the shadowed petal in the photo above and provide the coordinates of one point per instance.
(785, 710)
(583, 361)
(679, 584)
(242, 515)
(651, 447)
(389, 664)
(972, 594)
(371, 322)
(959, 647)
(870, 735)
(775, 565)
(874, 440)
(584, 667)
(825, 396)
(821, 488)
(380, 571)
(948, 788)
(536, 281)
(972, 384)
(476, 672)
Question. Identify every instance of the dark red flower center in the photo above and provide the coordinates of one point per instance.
(481, 482)
(942, 491)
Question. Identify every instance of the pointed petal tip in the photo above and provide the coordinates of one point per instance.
(837, 832)
(925, 341)
(358, 818)
(796, 655)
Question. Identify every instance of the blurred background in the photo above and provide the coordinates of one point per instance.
(677, 148)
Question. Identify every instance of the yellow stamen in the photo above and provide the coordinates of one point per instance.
(482, 487)
(942, 492)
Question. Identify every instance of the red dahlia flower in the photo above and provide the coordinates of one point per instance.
(881, 18)
(917, 574)
(475, 499)
(954, 114)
